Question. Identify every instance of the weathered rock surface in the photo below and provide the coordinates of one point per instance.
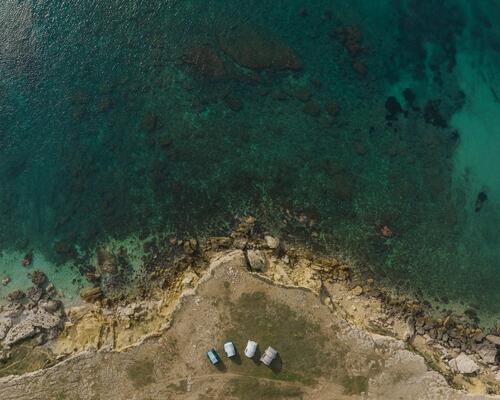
(27, 325)
(21, 331)
(464, 364)
(257, 260)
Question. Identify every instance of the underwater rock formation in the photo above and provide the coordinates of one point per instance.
(258, 49)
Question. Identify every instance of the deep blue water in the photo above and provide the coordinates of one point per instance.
(328, 120)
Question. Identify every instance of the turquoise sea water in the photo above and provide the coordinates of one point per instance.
(127, 118)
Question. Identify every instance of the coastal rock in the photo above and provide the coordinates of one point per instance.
(257, 260)
(410, 330)
(43, 319)
(218, 242)
(493, 339)
(487, 352)
(38, 278)
(5, 325)
(90, 295)
(50, 306)
(34, 293)
(272, 242)
(240, 243)
(16, 295)
(464, 364)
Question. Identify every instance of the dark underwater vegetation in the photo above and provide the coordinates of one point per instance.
(366, 128)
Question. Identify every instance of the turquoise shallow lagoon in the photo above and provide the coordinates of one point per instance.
(369, 129)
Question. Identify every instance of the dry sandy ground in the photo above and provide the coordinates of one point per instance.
(321, 355)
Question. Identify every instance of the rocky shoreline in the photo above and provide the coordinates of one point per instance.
(466, 356)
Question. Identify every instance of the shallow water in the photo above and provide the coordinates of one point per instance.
(121, 119)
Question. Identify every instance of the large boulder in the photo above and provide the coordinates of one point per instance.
(258, 49)
(464, 364)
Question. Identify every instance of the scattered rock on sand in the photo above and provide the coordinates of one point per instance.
(464, 364)
(257, 260)
(5, 280)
